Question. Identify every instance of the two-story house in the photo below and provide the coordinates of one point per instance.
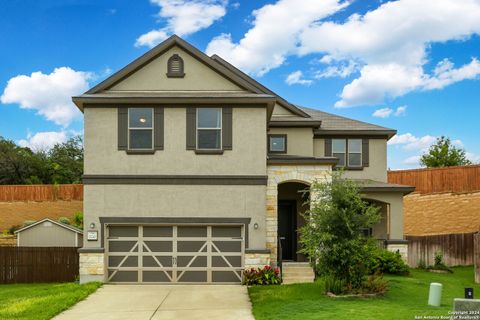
(193, 170)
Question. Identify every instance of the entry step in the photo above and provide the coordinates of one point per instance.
(297, 272)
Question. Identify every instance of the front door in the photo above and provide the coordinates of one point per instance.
(287, 224)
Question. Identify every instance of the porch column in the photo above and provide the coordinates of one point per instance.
(271, 218)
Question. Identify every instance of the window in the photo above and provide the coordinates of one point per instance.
(175, 67)
(348, 151)
(209, 128)
(277, 143)
(339, 150)
(354, 152)
(140, 128)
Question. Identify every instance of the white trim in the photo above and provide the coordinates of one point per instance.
(52, 221)
(18, 239)
(140, 128)
(361, 153)
(216, 128)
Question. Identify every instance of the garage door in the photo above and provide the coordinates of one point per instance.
(175, 254)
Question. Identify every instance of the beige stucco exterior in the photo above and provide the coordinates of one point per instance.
(395, 200)
(48, 234)
(299, 140)
(187, 201)
(377, 169)
(247, 156)
(198, 77)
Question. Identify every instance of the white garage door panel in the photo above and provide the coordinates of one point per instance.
(175, 254)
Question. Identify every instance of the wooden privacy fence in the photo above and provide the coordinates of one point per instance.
(449, 179)
(38, 264)
(458, 249)
(40, 192)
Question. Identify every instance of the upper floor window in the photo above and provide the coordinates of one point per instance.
(339, 150)
(348, 152)
(354, 152)
(140, 128)
(209, 128)
(277, 143)
(175, 68)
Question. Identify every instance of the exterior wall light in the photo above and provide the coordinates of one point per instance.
(255, 226)
(92, 225)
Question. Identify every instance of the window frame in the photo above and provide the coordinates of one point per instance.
(360, 165)
(197, 128)
(152, 128)
(347, 153)
(277, 135)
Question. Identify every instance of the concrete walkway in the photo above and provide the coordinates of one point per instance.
(193, 302)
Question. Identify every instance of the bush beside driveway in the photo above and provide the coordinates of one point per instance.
(41, 300)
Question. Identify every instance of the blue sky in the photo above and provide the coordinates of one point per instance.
(405, 64)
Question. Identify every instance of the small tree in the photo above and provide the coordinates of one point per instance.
(444, 154)
(334, 237)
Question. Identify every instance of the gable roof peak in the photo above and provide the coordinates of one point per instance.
(161, 48)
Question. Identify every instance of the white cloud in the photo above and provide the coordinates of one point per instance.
(391, 42)
(402, 139)
(401, 111)
(411, 142)
(48, 94)
(383, 113)
(340, 70)
(475, 158)
(296, 78)
(43, 141)
(412, 161)
(387, 112)
(274, 35)
(183, 17)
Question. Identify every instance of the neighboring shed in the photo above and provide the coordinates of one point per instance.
(49, 233)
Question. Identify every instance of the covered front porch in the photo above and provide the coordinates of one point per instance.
(288, 193)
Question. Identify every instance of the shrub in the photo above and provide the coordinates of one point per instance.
(78, 220)
(334, 285)
(26, 223)
(374, 284)
(335, 237)
(438, 263)
(438, 258)
(14, 228)
(64, 220)
(261, 276)
(385, 261)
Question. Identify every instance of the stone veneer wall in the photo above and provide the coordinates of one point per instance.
(92, 267)
(287, 173)
(256, 260)
(441, 213)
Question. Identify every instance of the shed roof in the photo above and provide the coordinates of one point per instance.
(63, 225)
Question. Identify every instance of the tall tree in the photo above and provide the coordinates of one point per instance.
(66, 161)
(444, 154)
(62, 164)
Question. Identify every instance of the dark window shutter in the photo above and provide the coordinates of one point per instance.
(365, 152)
(191, 128)
(122, 128)
(328, 147)
(227, 128)
(158, 129)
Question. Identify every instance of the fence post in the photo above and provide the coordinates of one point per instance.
(476, 256)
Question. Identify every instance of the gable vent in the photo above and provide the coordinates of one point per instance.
(175, 67)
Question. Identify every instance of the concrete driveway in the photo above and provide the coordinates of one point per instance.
(163, 302)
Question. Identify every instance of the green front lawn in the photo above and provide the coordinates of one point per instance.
(41, 300)
(406, 299)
